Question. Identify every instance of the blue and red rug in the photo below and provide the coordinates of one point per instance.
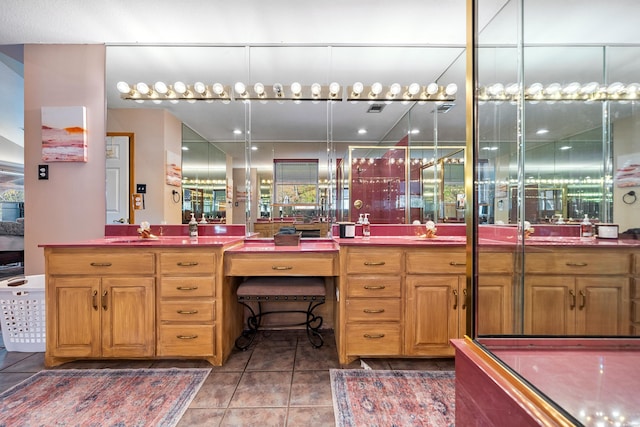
(101, 397)
(393, 398)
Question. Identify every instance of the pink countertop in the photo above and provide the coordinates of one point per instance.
(267, 245)
(594, 380)
(165, 241)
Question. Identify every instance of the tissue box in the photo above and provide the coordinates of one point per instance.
(287, 239)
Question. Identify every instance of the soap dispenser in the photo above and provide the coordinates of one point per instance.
(193, 227)
(366, 229)
(586, 228)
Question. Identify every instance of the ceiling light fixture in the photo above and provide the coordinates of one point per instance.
(123, 87)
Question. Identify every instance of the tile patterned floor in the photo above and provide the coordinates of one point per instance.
(281, 380)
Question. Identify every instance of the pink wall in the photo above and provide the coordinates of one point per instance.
(71, 204)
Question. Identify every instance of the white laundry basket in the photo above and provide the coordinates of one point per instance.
(22, 313)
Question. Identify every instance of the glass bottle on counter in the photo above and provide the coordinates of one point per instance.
(586, 228)
(193, 227)
(366, 226)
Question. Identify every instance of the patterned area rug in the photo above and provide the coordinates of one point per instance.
(101, 397)
(393, 398)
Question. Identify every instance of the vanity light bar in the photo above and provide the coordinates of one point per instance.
(398, 92)
(573, 91)
(199, 91)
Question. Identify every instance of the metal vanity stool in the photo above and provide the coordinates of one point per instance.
(282, 289)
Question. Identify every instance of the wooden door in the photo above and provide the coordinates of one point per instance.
(601, 303)
(118, 179)
(75, 317)
(550, 305)
(127, 307)
(432, 314)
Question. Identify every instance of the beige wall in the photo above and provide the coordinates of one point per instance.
(626, 134)
(70, 205)
(155, 131)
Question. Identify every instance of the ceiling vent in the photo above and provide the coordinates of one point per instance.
(376, 108)
(444, 107)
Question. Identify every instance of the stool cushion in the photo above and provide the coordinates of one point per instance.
(282, 285)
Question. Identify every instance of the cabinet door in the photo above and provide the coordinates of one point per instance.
(73, 317)
(432, 315)
(601, 303)
(127, 306)
(495, 312)
(550, 305)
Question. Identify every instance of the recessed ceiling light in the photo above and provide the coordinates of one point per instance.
(237, 131)
(565, 147)
(415, 131)
(542, 131)
(184, 148)
(362, 131)
(254, 148)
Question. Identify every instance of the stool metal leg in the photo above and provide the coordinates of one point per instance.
(253, 323)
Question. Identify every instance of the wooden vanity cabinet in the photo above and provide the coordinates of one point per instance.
(99, 304)
(187, 303)
(634, 294)
(373, 302)
(577, 293)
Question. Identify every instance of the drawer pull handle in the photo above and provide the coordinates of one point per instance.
(277, 267)
(95, 300)
(464, 300)
(458, 264)
(187, 311)
(583, 300)
(101, 264)
(373, 311)
(573, 299)
(374, 263)
(373, 336)
(374, 288)
(577, 264)
(186, 337)
(188, 264)
(104, 300)
(186, 288)
(455, 300)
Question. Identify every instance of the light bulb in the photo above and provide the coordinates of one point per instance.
(258, 88)
(432, 88)
(143, 88)
(180, 87)
(572, 88)
(123, 87)
(511, 89)
(395, 89)
(334, 88)
(316, 89)
(615, 88)
(278, 90)
(296, 88)
(161, 88)
(218, 89)
(376, 88)
(199, 87)
(590, 88)
(535, 88)
(413, 89)
(240, 88)
(553, 88)
(358, 87)
(451, 89)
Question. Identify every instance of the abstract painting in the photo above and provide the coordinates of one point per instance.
(64, 134)
(174, 169)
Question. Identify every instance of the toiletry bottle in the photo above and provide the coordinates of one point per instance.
(366, 230)
(203, 220)
(586, 228)
(193, 227)
(360, 219)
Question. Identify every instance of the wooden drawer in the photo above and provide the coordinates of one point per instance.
(186, 340)
(187, 311)
(374, 340)
(201, 262)
(187, 286)
(600, 262)
(373, 286)
(101, 263)
(373, 310)
(374, 260)
(451, 262)
(285, 264)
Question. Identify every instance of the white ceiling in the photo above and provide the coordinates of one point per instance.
(404, 41)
